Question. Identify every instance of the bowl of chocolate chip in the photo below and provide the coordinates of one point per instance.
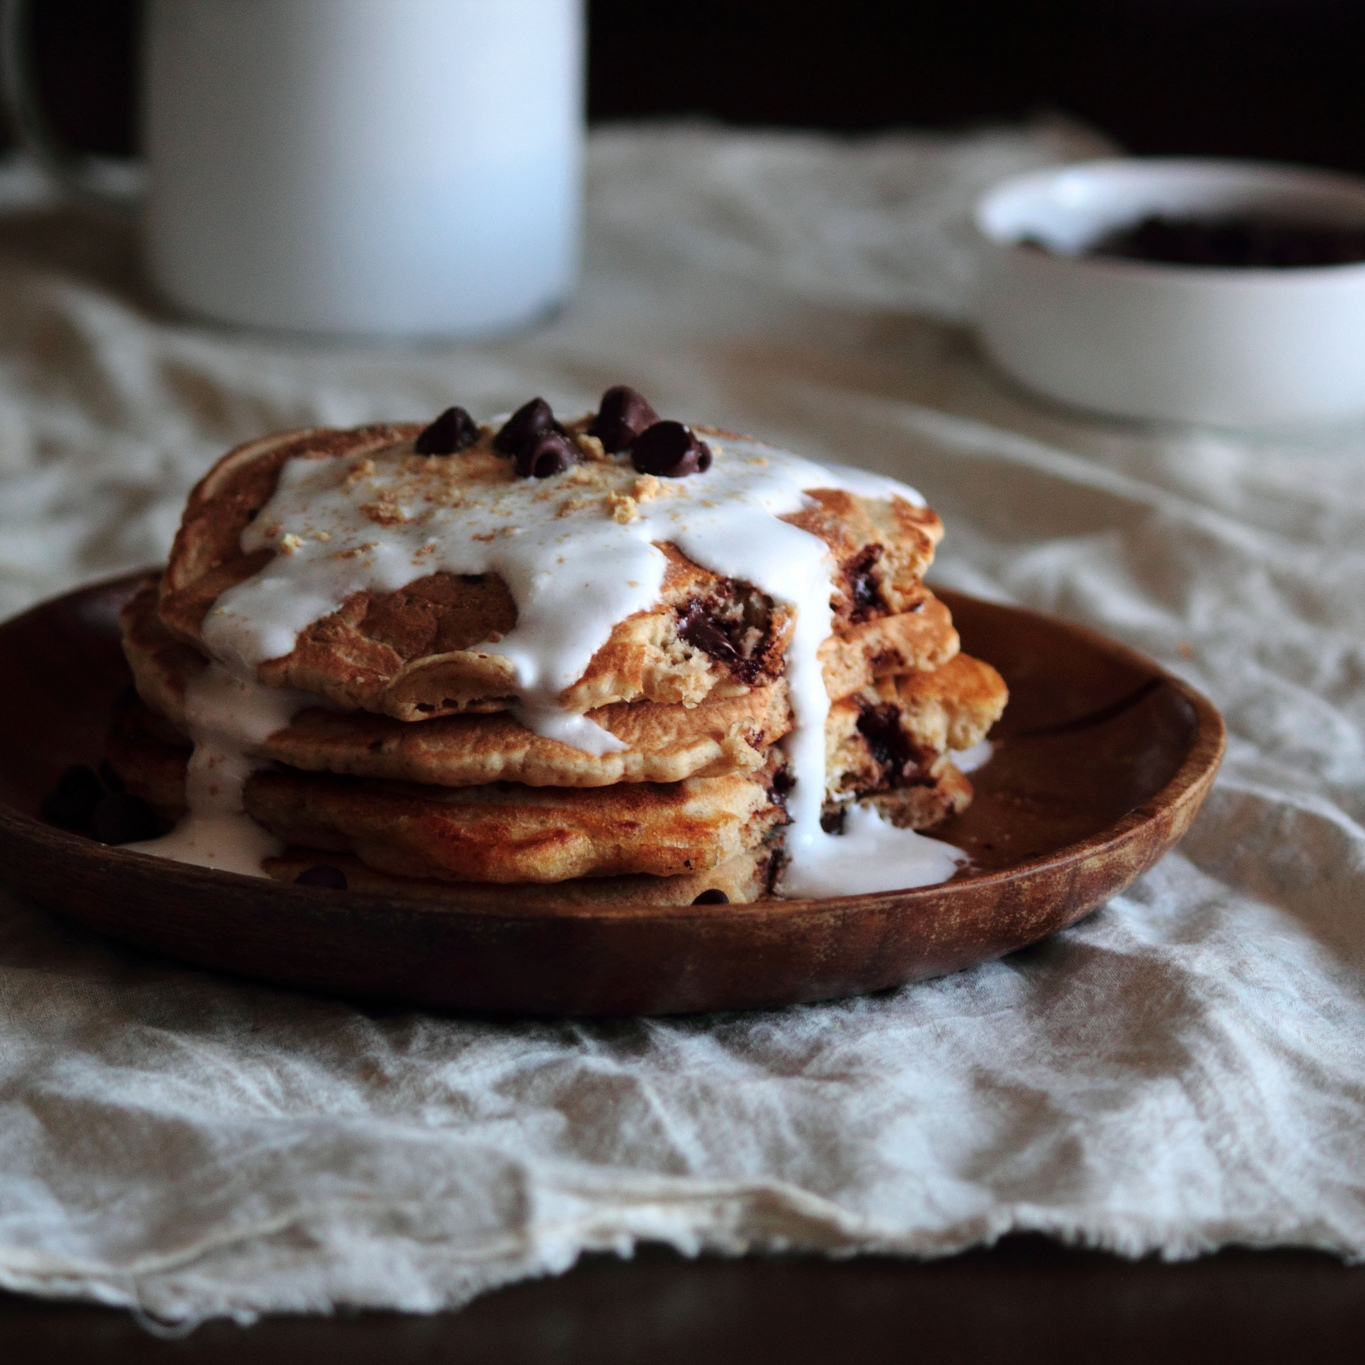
(1221, 292)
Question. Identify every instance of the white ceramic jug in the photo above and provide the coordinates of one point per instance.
(401, 167)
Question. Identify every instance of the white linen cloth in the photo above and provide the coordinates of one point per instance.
(1183, 1070)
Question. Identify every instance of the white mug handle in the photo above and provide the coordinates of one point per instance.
(106, 183)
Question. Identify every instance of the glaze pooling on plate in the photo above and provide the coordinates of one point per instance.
(579, 554)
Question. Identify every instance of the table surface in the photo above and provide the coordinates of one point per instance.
(1026, 1299)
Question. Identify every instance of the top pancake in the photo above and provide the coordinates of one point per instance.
(413, 654)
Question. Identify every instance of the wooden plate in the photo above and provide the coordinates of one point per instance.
(1102, 761)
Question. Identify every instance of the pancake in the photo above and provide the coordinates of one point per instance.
(951, 708)
(894, 732)
(149, 757)
(926, 802)
(915, 640)
(503, 832)
(336, 815)
(738, 881)
(413, 653)
(665, 743)
(872, 741)
(511, 833)
(714, 742)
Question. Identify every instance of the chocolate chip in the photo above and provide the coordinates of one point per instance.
(887, 742)
(832, 821)
(735, 634)
(621, 416)
(324, 875)
(123, 818)
(550, 453)
(669, 450)
(704, 634)
(453, 431)
(71, 803)
(529, 422)
(112, 781)
(862, 586)
(715, 896)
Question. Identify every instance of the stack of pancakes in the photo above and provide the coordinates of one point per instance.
(405, 769)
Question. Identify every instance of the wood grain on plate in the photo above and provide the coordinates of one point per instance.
(1102, 761)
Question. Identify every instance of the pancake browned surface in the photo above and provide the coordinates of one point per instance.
(414, 654)
(511, 833)
(664, 744)
(738, 881)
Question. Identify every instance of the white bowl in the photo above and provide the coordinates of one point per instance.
(1229, 345)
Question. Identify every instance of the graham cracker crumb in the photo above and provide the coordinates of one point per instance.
(361, 469)
(590, 446)
(385, 513)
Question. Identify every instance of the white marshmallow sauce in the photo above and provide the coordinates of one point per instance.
(574, 572)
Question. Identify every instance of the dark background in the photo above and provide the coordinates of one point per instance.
(1280, 79)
